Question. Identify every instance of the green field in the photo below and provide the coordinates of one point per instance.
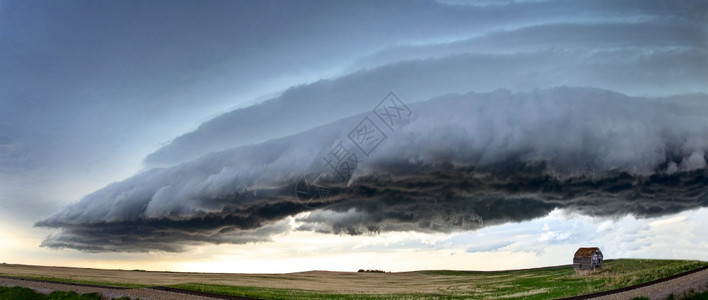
(541, 283)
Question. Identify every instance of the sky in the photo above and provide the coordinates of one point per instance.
(285, 136)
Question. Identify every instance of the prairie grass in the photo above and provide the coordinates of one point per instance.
(541, 283)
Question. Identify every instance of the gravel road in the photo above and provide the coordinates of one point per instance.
(697, 282)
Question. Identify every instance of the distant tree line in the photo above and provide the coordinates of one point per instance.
(370, 271)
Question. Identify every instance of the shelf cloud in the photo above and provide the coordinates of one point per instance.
(457, 162)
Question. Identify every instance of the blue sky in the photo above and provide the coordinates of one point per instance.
(535, 127)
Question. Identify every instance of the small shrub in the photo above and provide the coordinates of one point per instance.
(692, 295)
(18, 293)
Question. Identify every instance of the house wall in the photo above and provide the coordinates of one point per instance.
(582, 263)
(587, 263)
(599, 260)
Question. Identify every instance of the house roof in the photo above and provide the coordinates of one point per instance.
(586, 252)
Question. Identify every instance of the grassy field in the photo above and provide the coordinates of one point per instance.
(542, 283)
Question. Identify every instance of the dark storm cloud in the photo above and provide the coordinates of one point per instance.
(445, 201)
(460, 163)
(160, 235)
(653, 56)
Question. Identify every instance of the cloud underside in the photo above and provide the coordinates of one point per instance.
(459, 162)
(432, 201)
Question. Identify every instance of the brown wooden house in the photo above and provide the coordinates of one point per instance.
(587, 259)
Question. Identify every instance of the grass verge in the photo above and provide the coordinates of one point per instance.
(20, 293)
(68, 280)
